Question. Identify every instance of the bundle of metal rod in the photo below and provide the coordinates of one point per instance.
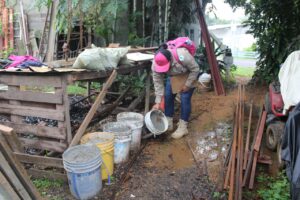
(242, 162)
(234, 174)
(212, 60)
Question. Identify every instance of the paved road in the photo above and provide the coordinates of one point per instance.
(243, 62)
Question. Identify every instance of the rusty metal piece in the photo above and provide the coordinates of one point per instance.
(218, 84)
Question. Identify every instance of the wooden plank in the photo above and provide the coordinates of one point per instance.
(252, 176)
(8, 188)
(39, 81)
(260, 132)
(93, 109)
(9, 172)
(36, 173)
(38, 130)
(31, 111)
(19, 170)
(44, 144)
(40, 160)
(32, 96)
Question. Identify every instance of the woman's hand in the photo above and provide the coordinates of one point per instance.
(156, 106)
(185, 89)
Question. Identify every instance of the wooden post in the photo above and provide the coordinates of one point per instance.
(66, 107)
(93, 109)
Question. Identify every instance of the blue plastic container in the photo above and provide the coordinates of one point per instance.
(83, 164)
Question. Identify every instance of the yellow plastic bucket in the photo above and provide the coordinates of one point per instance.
(105, 142)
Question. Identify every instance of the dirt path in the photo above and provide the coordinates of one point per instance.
(188, 168)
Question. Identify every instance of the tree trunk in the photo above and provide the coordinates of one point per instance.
(143, 10)
(81, 26)
(115, 23)
(159, 22)
(167, 17)
(69, 21)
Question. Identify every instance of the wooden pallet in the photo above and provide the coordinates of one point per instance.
(30, 96)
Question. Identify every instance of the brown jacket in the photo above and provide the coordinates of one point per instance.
(187, 65)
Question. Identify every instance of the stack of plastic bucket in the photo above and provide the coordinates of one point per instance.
(105, 142)
(136, 123)
(82, 164)
(122, 140)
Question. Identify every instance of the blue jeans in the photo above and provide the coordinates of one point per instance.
(185, 104)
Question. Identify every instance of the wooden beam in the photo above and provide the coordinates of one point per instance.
(40, 160)
(93, 109)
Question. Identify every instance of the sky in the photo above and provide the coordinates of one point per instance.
(224, 11)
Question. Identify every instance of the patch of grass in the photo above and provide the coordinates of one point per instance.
(75, 89)
(244, 71)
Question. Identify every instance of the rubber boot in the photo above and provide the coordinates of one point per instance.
(170, 123)
(181, 130)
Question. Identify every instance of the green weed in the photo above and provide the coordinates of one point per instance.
(276, 188)
(44, 183)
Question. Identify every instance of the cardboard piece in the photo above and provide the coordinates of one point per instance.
(177, 82)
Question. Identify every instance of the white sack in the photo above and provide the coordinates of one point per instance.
(100, 58)
(289, 78)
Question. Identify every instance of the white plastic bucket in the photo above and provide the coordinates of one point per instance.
(204, 81)
(83, 163)
(156, 122)
(122, 134)
(136, 123)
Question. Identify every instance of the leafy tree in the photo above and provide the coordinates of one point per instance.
(275, 24)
